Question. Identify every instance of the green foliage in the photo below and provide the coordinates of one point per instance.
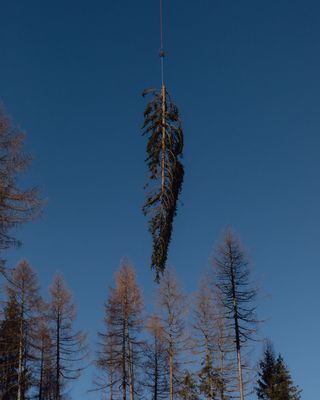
(275, 382)
(189, 388)
(164, 151)
(211, 382)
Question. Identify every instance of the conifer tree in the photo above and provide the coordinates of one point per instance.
(156, 360)
(23, 286)
(17, 205)
(205, 329)
(189, 387)
(164, 151)
(237, 296)
(213, 344)
(45, 360)
(275, 382)
(119, 344)
(173, 309)
(9, 350)
(69, 347)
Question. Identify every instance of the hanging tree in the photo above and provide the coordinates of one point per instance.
(164, 152)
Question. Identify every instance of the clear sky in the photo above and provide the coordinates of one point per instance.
(245, 75)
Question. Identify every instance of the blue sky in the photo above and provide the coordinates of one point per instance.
(245, 76)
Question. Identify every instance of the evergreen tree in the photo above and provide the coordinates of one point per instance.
(275, 382)
(189, 387)
(164, 152)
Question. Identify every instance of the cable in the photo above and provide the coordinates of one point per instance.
(162, 53)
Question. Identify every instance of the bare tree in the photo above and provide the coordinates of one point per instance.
(23, 286)
(45, 358)
(9, 350)
(213, 343)
(237, 296)
(156, 359)
(119, 345)
(108, 364)
(205, 337)
(69, 346)
(172, 304)
(17, 205)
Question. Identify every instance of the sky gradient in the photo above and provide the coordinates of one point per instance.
(245, 76)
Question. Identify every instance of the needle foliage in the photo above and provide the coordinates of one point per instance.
(163, 128)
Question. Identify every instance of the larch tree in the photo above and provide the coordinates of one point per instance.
(119, 354)
(237, 296)
(17, 205)
(45, 362)
(23, 286)
(9, 350)
(274, 380)
(69, 346)
(173, 308)
(155, 359)
(212, 344)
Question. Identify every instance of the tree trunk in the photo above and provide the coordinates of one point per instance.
(171, 371)
(130, 371)
(58, 360)
(155, 394)
(41, 375)
(124, 376)
(236, 328)
(21, 334)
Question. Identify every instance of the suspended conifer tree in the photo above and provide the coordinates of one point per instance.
(163, 128)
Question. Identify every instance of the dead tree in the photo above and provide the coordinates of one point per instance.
(118, 356)
(237, 296)
(213, 343)
(69, 347)
(156, 360)
(173, 309)
(45, 360)
(17, 205)
(9, 349)
(23, 286)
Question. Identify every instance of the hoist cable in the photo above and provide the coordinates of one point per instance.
(162, 54)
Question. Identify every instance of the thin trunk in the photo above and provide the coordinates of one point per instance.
(58, 360)
(155, 394)
(171, 370)
(111, 386)
(21, 336)
(221, 375)
(130, 370)
(124, 375)
(236, 328)
(41, 374)
(208, 366)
